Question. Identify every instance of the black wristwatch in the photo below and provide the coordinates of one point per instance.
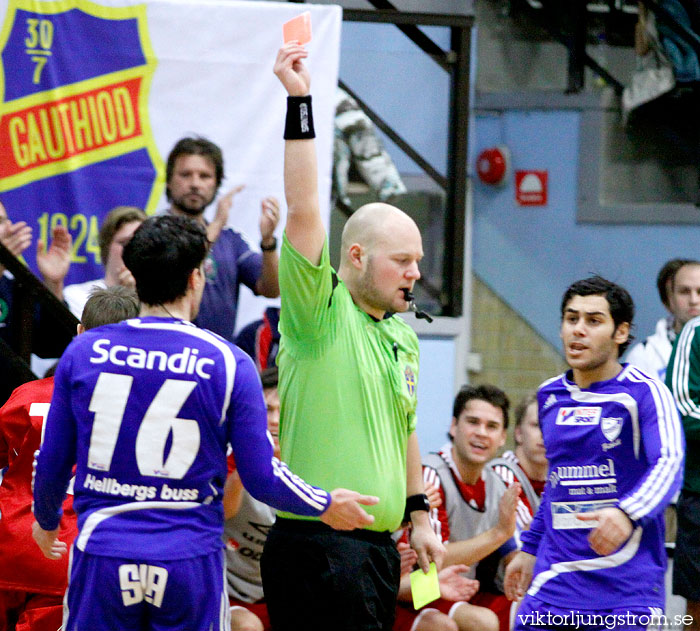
(271, 247)
(416, 502)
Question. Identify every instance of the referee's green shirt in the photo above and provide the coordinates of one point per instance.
(347, 388)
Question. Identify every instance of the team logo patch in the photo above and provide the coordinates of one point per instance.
(588, 415)
(410, 378)
(611, 427)
(69, 102)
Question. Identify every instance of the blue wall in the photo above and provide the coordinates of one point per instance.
(402, 84)
(435, 392)
(526, 255)
(529, 255)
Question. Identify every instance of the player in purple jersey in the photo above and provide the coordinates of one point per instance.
(615, 450)
(146, 409)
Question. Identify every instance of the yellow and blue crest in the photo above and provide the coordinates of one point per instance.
(410, 378)
(74, 125)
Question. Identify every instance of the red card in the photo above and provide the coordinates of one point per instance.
(298, 28)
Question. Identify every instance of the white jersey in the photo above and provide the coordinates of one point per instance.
(244, 536)
(652, 355)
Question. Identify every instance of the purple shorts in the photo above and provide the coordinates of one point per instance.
(106, 593)
(535, 615)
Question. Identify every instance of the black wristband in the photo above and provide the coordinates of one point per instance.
(414, 503)
(269, 248)
(299, 124)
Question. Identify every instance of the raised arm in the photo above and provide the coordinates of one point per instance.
(268, 283)
(304, 227)
(54, 262)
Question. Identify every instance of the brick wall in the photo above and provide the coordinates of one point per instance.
(513, 356)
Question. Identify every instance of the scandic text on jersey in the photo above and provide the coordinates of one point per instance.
(185, 362)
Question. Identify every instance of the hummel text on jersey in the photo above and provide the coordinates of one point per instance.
(185, 362)
(584, 474)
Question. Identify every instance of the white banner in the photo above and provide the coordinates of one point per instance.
(207, 71)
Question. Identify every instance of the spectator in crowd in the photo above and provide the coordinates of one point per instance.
(117, 228)
(348, 392)
(53, 263)
(31, 586)
(476, 518)
(678, 284)
(184, 408)
(528, 463)
(683, 378)
(194, 171)
(615, 450)
(261, 339)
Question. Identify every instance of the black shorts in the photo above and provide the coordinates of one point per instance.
(686, 558)
(319, 579)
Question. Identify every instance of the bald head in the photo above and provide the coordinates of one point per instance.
(369, 223)
(381, 249)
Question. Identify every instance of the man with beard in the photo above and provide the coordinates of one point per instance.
(348, 376)
(194, 172)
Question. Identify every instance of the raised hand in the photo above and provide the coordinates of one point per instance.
(223, 208)
(16, 237)
(345, 512)
(434, 497)
(125, 278)
(291, 71)
(507, 508)
(269, 217)
(53, 263)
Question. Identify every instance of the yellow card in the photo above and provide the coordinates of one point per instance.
(425, 588)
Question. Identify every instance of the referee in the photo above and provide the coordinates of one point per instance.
(348, 373)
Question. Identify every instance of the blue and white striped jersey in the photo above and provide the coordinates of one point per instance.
(618, 443)
(146, 408)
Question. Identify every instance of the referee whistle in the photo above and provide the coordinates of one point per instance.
(410, 299)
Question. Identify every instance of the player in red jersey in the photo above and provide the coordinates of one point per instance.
(32, 586)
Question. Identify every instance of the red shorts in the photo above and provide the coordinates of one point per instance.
(498, 603)
(407, 617)
(24, 611)
(259, 609)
